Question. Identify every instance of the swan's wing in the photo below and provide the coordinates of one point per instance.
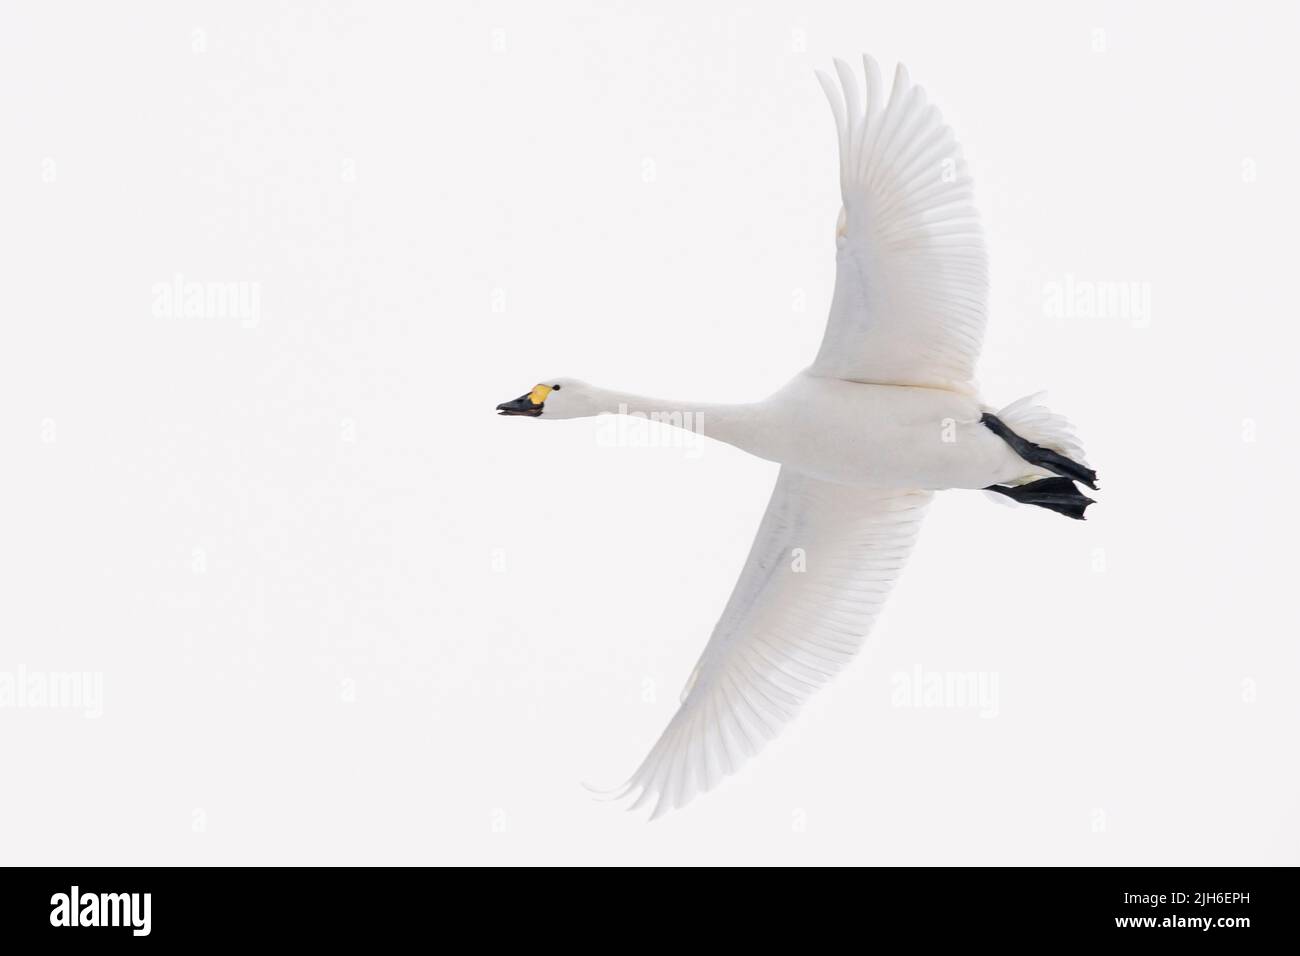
(821, 566)
(911, 281)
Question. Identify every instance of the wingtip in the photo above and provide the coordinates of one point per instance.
(662, 806)
(871, 71)
(605, 794)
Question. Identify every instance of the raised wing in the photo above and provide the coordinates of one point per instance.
(820, 569)
(911, 282)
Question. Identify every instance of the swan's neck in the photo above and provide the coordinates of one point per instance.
(734, 424)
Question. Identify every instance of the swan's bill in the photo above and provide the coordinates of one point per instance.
(530, 404)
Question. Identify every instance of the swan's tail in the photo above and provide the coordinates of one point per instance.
(1045, 439)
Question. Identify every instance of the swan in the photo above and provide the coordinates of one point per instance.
(886, 415)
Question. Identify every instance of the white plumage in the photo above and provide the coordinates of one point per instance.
(887, 414)
(794, 619)
(911, 281)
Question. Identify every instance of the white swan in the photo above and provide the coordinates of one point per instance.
(886, 415)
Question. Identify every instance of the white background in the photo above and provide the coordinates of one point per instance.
(344, 613)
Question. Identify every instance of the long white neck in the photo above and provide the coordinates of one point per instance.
(734, 424)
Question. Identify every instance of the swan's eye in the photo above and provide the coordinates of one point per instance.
(555, 388)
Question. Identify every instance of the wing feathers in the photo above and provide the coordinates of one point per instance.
(784, 634)
(912, 280)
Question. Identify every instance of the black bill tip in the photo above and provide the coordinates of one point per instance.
(523, 405)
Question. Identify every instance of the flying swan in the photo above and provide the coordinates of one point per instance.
(887, 414)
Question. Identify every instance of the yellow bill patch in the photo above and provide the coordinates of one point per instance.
(539, 393)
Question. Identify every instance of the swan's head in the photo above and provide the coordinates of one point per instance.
(554, 398)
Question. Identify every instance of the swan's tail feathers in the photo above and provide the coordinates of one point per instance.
(1043, 438)
(1055, 494)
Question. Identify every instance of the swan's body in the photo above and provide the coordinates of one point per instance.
(886, 415)
(886, 436)
(876, 436)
